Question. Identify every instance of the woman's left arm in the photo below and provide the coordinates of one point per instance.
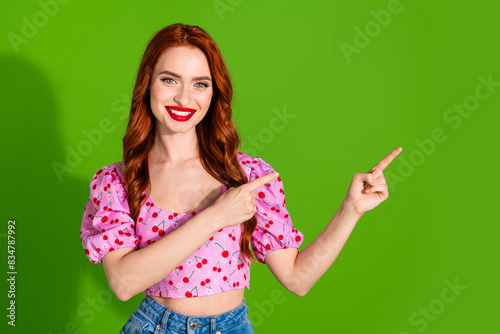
(299, 271)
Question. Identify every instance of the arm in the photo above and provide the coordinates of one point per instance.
(299, 271)
(130, 271)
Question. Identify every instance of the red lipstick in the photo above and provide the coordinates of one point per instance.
(180, 118)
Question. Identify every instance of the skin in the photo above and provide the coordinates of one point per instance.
(180, 184)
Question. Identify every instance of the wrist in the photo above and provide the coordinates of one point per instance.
(347, 209)
(209, 216)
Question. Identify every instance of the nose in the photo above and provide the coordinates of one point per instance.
(183, 95)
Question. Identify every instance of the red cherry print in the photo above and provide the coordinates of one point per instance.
(104, 219)
(111, 249)
(155, 214)
(220, 230)
(219, 270)
(280, 237)
(170, 282)
(234, 238)
(279, 178)
(170, 217)
(105, 237)
(298, 238)
(268, 226)
(204, 261)
(161, 233)
(155, 229)
(181, 267)
(108, 185)
(109, 209)
(230, 236)
(105, 208)
(94, 199)
(140, 237)
(117, 241)
(207, 280)
(98, 250)
(211, 238)
(193, 213)
(224, 278)
(89, 215)
(147, 203)
(140, 219)
(271, 222)
(199, 265)
(175, 214)
(120, 232)
(95, 186)
(87, 252)
(98, 202)
(202, 283)
(225, 253)
(189, 294)
(268, 184)
(128, 234)
(262, 195)
(215, 268)
(120, 243)
(229, 261)
(185, 279)
(105, 188)
(149, 242)
(277, 210)
(99, 172)
(273, 208)
(268, 246)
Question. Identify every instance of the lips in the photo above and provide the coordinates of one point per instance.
(180, 114)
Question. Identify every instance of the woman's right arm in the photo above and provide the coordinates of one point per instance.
(130, 271)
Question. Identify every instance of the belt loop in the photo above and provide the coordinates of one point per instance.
(212, 325)
(164, 320)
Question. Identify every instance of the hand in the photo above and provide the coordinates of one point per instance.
(368, 190)
(238, 204)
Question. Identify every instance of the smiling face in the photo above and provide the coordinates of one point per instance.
(180, 90)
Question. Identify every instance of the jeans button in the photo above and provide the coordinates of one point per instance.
(218, 332)
(193, 325)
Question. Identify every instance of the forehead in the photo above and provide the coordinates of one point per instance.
(189, 61)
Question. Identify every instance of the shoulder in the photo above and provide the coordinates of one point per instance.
(254, 167)
(111, 174)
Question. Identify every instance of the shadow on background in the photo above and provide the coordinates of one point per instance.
(48, 213)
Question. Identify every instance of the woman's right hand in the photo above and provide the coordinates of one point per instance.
(238, 204)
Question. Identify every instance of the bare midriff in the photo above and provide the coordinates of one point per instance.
(205, 305)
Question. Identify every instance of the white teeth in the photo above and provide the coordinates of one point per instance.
(180, 113)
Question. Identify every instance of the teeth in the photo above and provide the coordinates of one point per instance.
(180, 113)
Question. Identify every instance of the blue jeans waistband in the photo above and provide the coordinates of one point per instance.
(167, 318)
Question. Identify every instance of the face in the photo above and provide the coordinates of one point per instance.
(181, 90)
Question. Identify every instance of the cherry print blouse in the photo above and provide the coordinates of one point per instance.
(216, 266)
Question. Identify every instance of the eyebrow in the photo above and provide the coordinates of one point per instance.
(180, 77)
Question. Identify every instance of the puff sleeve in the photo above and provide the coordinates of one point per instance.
(106, 223)
(274, 226)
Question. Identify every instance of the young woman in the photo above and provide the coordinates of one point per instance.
(178, 218)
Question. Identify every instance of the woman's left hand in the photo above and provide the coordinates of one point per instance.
(368, 190)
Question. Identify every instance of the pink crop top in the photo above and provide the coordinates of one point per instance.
(216, 266)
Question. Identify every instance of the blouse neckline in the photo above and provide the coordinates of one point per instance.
(182, 213)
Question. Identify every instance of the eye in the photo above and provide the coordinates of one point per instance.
(201, 85)
(168, 80)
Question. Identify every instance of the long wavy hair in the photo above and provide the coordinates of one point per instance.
(218, 140)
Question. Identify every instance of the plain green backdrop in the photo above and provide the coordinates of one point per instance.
(354, 79)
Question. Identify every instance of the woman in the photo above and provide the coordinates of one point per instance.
(176, 218)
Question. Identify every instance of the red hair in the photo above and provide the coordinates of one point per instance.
(218, 140)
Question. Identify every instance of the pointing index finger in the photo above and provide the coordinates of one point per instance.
(261, 181)
(387, 160)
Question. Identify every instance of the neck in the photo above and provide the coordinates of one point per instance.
(174, 148)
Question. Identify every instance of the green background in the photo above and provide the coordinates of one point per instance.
(74, 72)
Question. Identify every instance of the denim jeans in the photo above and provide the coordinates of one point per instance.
(153, 317)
